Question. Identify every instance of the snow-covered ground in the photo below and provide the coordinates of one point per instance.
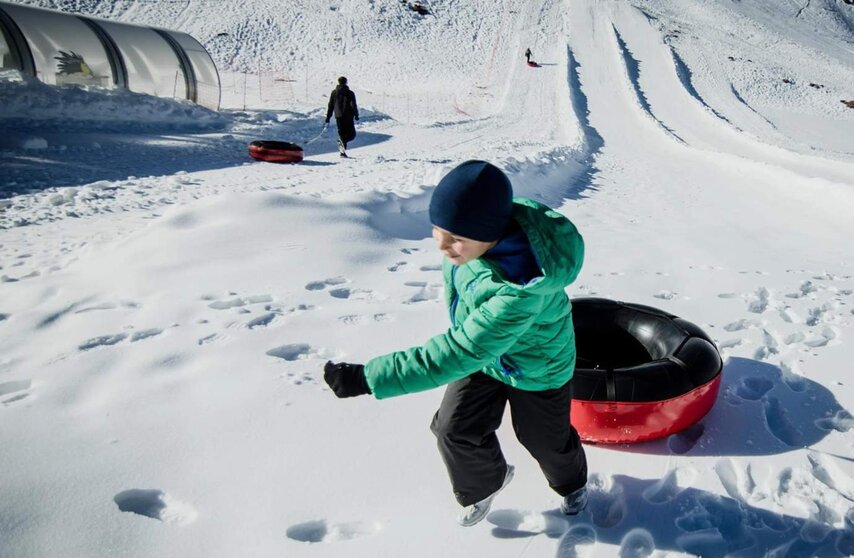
(167, 304)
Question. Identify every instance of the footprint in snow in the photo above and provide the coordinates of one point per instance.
(210, 339)
(742, 324)
(752, 389)
(788, 315)
(320, 285)
(578, 542)
(670, 485)
(792, 376)
(346, 293)
(399, 266)
(102, 341)
(357, 319)
(607, 502)
(299, 308)
(323, 531)
(238, 301)
(637, 543)
(683, 442)
(409, 251)
(144, 334)
(280, 310)
(665, 295)
(769, 347)
(821, 314)
(778, 422)
(760, 301)
(14, 387)
(841, 421)
(261, 321)
(430, 268)
(155, 504)
(297, 379)
(738, 480)
(806, 289)
(297, 351)
(825, 469)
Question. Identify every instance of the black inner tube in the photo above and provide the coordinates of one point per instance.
(635, 353)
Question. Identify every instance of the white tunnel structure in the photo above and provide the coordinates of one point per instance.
(60, 48)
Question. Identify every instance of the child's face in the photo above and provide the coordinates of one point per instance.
(459, 249)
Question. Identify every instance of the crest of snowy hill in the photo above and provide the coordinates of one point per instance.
(378, 43)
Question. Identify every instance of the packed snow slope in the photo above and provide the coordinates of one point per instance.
(165, 314)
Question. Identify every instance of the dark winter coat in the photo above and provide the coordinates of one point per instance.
(519, 334)
(342, 102)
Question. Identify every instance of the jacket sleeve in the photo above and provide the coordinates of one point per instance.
(487, 333)
(331, 106)
(355, 107)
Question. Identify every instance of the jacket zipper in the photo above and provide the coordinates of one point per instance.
(453, 308)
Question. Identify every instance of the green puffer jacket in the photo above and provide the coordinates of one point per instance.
(519, 334)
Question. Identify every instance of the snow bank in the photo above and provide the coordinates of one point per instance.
(26, 103)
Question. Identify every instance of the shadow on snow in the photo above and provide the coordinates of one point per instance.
(645, 515)
(79, 156)
(761, 410)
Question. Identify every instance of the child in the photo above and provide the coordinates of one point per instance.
(506, 265)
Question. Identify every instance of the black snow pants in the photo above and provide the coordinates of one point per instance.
(346, 130)
(465, 426)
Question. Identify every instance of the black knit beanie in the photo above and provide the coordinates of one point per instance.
(474, 200)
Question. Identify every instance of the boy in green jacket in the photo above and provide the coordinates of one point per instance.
(507, 263)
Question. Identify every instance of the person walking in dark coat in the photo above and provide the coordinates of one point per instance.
(342, 103)
(528, 55)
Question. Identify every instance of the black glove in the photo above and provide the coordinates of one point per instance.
(326, 121)
(346, 380)
(357, 118)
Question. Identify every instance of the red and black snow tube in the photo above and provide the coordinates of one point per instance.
(276, 151)
(640, 373)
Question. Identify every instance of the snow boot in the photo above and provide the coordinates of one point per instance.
(342, 148)
(472, 514)
(574, 502)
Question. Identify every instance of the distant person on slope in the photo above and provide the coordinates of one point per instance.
(507, 263)
(342, 102)
(528, 55)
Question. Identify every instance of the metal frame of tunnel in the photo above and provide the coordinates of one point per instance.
(114, 56)
(17, 44)
(22, 56)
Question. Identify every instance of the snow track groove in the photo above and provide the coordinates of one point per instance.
(633, 72)
(680, 110)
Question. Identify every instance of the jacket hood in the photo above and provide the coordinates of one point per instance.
(556, 243)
